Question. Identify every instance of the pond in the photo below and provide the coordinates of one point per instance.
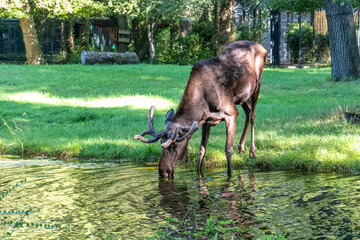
(73, 200)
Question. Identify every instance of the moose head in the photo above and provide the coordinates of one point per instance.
(174, 140)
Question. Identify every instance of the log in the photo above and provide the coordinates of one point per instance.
(91, 57)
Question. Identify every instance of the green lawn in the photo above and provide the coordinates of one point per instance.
(87, 112)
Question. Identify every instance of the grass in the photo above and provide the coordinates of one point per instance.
(93, 112)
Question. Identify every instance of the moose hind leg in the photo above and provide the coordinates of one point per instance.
(241, 146)
(202, 150)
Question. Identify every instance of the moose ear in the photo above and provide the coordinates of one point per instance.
(169, 116)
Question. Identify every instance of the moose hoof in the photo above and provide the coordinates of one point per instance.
(241, 149)
(252, 154)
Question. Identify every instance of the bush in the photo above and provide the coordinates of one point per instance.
(292, 41)
(322, 48)
(322, 45)
(252, 33)
(179, 49)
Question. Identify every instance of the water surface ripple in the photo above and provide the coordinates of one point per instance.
(69, 200)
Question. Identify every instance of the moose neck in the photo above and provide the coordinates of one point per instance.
(190, 108)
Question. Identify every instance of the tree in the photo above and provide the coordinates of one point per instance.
(24, 11)
(222, 20)
(146, 17)
(345, 60)
(251, 25)
(157, 12)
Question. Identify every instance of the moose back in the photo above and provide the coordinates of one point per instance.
(215, 87)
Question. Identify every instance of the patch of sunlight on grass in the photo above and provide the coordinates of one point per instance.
(153, 78)
(329, 155)
(355, 146)
(101, 140)
(134, 101)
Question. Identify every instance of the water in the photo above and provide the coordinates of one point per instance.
(128, 201)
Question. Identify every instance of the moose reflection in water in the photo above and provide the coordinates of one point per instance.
(175, 199)
(230, 201)
(238, 198)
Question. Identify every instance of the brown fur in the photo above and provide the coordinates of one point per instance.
(214, 89)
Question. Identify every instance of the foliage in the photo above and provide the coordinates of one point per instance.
(203, 27)
(26, 10)
(252, 25)
(203, 38)
(196, 226)
(292, 41)
(181, 50)
(322, 47)
(252, 33)
(154, 16)
(147, 17)
(298, 6)
(47, 8)
(214, 227)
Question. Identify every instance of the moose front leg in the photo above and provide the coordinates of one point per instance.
(230, 135)
(254, 98)
(202, 150)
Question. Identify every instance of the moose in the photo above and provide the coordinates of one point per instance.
(215, 87)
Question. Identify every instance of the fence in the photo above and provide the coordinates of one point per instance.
(321, 23)
(12, 48)
(11, 41)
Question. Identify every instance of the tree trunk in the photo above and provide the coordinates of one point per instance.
(151, 37)
(299, 20)
(62, 39)
(34, 55)
(141, 42)
(259, 22)
(345, 59)
(313, 37)
(225, 20)
(275, 35)
(358, 15)
(222, 19)
(84, 34)
(215, 28)
(69, 41)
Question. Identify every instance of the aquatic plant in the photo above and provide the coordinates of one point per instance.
(14, 224)
(5, 193)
